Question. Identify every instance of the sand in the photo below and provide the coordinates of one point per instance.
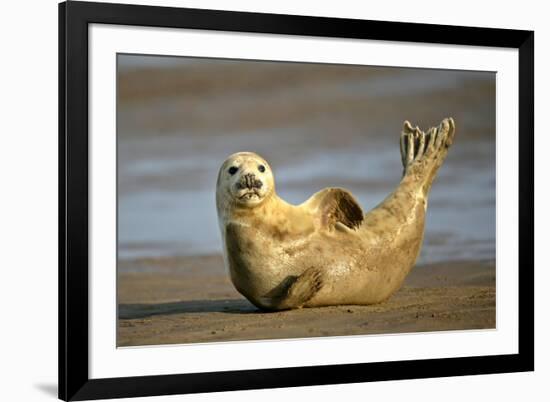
(191, 299)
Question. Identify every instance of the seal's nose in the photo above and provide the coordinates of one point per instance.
(249, 181)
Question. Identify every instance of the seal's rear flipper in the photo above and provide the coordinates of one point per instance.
(422, 153)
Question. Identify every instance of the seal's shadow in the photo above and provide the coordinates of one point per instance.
(230, 306)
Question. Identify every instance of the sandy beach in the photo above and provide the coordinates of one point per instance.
(191, 299)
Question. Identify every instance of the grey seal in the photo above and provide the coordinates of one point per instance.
(325, 251)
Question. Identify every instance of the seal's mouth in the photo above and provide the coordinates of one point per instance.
(249, 190)
(249, 195)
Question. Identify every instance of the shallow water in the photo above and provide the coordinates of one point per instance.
(168, 165)
(174, 221)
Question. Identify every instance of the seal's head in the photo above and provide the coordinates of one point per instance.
(245, 180)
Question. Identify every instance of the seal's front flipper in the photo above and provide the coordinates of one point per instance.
(336, 207)
(298, 293)
(304, 288)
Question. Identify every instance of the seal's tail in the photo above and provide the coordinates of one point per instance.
(422, 153)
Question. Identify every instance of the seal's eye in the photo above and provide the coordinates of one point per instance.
(232, 170)
(261, 168)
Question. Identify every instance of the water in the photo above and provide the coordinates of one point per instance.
(172, 221)
(337, 131)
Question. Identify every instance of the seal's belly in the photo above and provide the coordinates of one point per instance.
(355, 270)
(260, 265)
(252, 261)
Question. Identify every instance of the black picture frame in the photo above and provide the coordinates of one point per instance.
(74, 381)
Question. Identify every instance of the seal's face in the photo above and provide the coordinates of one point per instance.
(245, 179)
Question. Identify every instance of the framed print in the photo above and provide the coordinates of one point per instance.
(258, 200)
